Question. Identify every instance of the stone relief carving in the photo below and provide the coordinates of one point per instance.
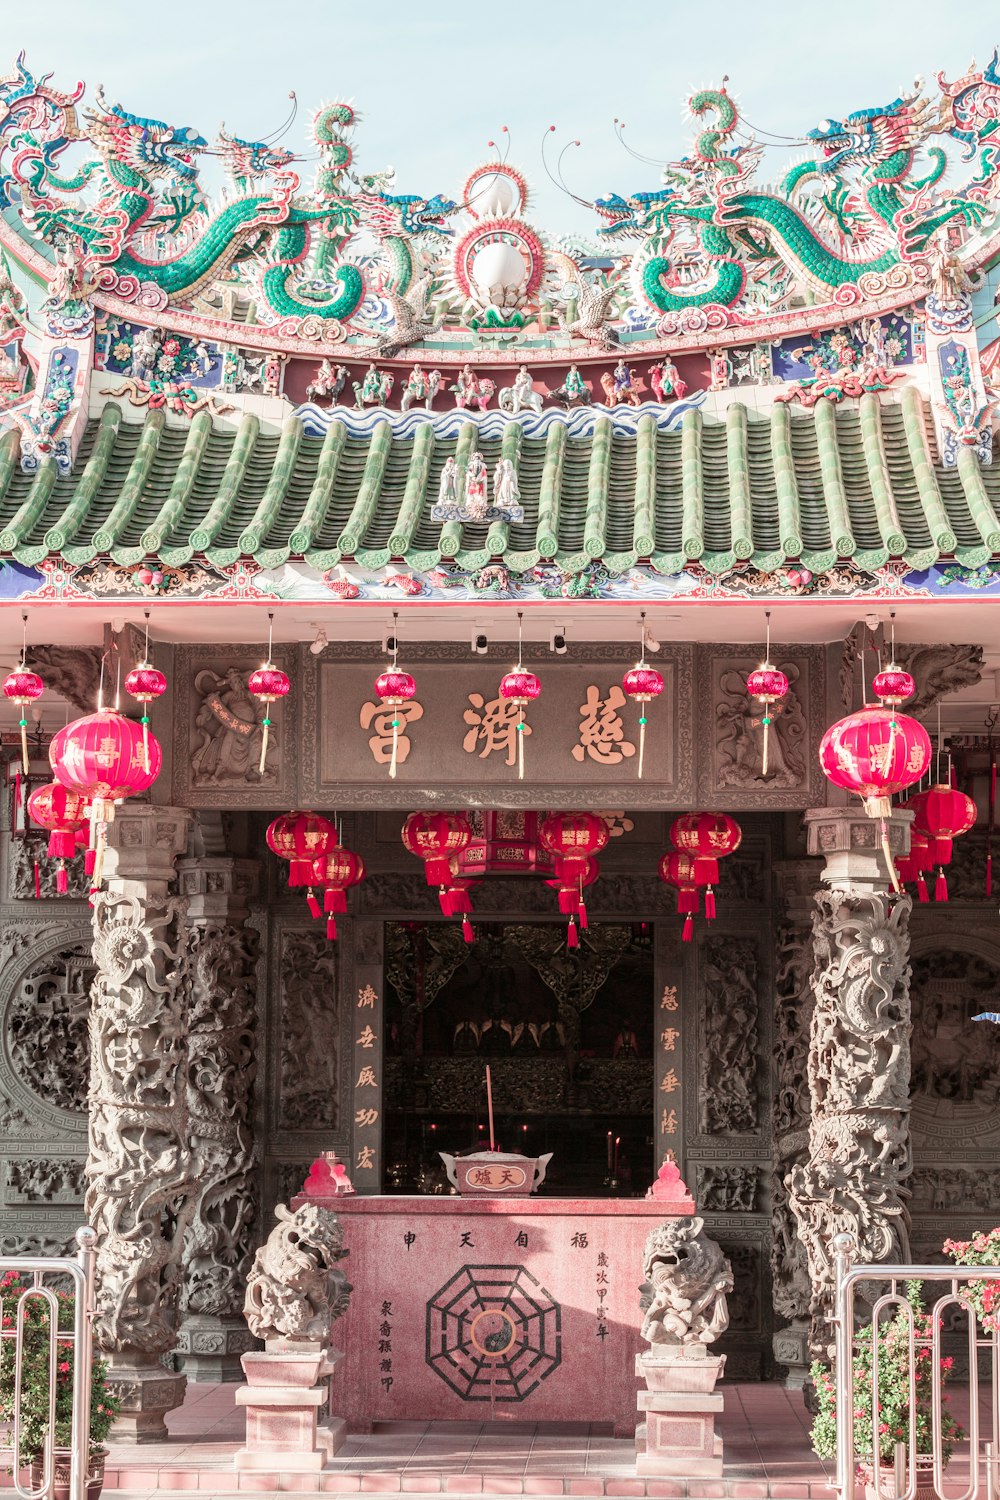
(228, 727)
(23, 854)
(683, 1296)
(938, 670)
(74, 672)
(727, 1189)
(295, 1289)
(793, 1007)
(310, 1018)
(728, 1101)
(36, 1244)
(220, 974)
(47, 1019)
(739, 741)
(859, 1077)
(543, 1084)
(290, 1178)
(745, 1261)
(139, 1167)
(953, 1057)
(44, 1180)
(955, 1190)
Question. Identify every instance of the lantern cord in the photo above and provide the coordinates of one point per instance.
(118, 685)
(266, 721)
(520, 741)
(642, 740)
(864, 685)
(642, 715)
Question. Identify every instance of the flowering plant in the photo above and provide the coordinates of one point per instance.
(893, 1390)
(35, 1378)
(981, 1250)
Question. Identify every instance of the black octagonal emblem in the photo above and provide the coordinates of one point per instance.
(493, 1333)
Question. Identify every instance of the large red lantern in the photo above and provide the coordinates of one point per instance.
(574, 839)
(708, 837)
(336, 871)
(102, 757)
(435, 837)
(300, 838)
(62, 813)
(688, 872)
(875, 753)
(942, 814)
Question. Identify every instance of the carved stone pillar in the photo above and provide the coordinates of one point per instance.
(859, 1057)
(139, 1167)
(221, 983)
(793, 1007)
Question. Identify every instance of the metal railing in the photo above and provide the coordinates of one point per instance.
(36, 1273)
(900, 1478)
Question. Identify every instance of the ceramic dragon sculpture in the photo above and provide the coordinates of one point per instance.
(138, 222)
(860, 214)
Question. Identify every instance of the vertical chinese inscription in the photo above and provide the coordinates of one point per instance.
(367, 1038)
(385, 1348)
(668, 1098)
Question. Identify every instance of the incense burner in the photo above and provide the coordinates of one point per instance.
(496, 1173)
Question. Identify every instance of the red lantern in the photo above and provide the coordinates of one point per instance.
(336, 871)
(574, 839)
(101, 756)
(144, 683)
(768, 685)
(687, 872)
(709, 837)
(520, 688)
(22, 687)
(395, 687)
(876, 752)
(63, 813)
(301, 837)
(893, 685)
(942, 814)
(434, 837)
(268, 684)
(642, 684)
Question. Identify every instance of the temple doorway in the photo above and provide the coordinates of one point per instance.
(568, 1036)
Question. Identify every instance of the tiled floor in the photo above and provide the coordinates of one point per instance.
(765, 1431)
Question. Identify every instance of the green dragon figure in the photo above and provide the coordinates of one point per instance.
(136, 216)
(869, 216)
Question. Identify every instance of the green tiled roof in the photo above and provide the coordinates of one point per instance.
(862, 482)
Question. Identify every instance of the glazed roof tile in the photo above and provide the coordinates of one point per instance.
(862, 482)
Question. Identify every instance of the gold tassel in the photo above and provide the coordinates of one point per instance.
(888, 857)
(642, 742)
(767, 724)
(520, 744)
(263, 745)
(395, 742)
(24, 745)
(145, 741)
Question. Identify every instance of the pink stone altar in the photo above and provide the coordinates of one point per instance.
(481, 1308)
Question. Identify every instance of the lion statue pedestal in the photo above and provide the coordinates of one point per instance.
(294, 1294)
(685, 1310)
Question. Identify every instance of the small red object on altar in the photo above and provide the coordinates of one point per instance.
(670, 1186)
(327, 1178)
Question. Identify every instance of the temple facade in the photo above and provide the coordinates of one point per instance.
(341, 430)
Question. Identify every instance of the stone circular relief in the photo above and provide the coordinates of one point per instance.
(47, 1037)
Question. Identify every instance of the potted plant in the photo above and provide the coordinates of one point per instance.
(34, 1394)
(982, 1250)
(894, 1399)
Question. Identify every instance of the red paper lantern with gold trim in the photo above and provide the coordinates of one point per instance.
(63, 814)
(435, 837)
(942, 814)
(145, 684)
(21, 688)
(574, 839)
(102, 757)
(395, 687)
(300, 838)
(709, 836)
(570, 886)
(336, 871)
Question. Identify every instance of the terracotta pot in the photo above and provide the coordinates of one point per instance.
(61, 1477)
(886, 1488)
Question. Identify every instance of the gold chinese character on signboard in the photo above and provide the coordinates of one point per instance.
(366, 1079)
(671, 1083)
(494, 726)
(602, 733)
(378, 718)
(366, 1160)
(367, 996)
(367, 1038)
(669, 1039)
(668, 1123)
(365, 1116)
(669, 1000)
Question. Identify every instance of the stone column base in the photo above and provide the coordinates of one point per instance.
(209, 1348)
(285, 1392)
(791, 1348)
(147, 1393)
(679, 1404)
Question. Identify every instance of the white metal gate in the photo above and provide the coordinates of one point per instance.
(899, 1480)
(37, 1273)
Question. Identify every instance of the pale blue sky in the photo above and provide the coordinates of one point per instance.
(435, 82)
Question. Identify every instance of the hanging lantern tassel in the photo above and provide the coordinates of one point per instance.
(582, 909)
(62, 878)
(989, 829)
(467, 931)
(572, 937)
(709, 905)
(331, 928)
(17, 790)
(38, 882)
(687, 932)
(922, 895)
(395, 687)
(312, 903)
(883, 829)
(941, 885)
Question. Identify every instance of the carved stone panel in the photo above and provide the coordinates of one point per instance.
(219, 731)
(728, 1044)
(727, 1188)
(46, 1026)
(23, 855)
(731, 735)
(310, 1031)
(955, 1060)
(43, 1180)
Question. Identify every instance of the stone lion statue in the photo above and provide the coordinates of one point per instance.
(687, 1277)
(295, 1290)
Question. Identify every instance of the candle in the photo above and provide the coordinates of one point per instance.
(489, 1106)
(609, 1153)
(618, 1141)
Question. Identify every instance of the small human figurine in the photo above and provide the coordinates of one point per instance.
(506, 491)
(666, 381)
(371, 388)
(465, 387)
(448, 487)
(476, 502)
(416, 388)
(434, 379)
(623, 379)
(574, 385)
(523, 386)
